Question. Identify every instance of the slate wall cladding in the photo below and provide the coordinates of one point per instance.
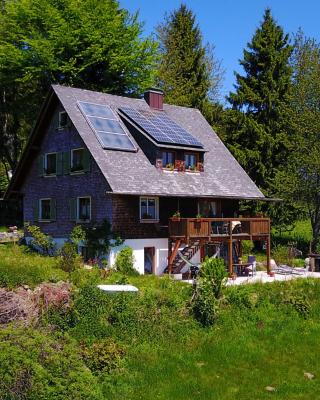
(63, 188)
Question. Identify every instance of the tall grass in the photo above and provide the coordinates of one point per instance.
(19, 266)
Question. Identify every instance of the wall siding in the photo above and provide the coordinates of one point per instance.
(63, 188)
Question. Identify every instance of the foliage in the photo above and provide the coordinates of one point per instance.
(177, 214)
(20, 267)
(103, 356)
(100, 238)
(34, 365)
(213, 271)
(247, 246)
(69, 259)
(188, 72)
(125, 261)
(77, 235)
(256, 125)
(281, 254)
(208, 291)
(300, 179)
(92, 44)
(40, 242)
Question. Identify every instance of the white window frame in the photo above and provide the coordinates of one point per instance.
(80, 171)
(156, 219)
(40, 209)
(59, 122)
(46, 163)
(78, 209)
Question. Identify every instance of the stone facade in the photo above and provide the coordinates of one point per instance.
(66, 186)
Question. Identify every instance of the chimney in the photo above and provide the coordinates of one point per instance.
(154, 98)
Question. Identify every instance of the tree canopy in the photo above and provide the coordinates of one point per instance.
(188, 72)
(92, 44)
(256, 124)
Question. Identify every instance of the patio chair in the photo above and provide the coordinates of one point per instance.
(253, 267)
(287, 270)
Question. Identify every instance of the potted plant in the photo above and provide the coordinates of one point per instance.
(198, 216)
(176, 216)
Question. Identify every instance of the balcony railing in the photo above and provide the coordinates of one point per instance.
(201, 228)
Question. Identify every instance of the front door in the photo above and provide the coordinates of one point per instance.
(149, 260)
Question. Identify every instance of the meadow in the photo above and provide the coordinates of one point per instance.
(149, 346)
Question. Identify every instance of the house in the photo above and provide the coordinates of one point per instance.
(135, 162)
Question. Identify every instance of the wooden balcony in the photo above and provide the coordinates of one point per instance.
(212, 230)
(219, 228)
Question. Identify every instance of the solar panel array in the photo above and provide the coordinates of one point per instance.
(160, 127)
(105, 124)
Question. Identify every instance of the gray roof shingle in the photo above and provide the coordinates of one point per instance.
(132, 172)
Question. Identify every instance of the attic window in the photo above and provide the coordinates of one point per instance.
(63, 119)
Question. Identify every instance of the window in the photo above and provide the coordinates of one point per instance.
(45, 209)
(63, 119)
(149, 209)
(50, 164)
(77, 160)
(167, 159)
(190, 161)
(83, 208)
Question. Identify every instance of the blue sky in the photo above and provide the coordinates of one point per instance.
(230, 24)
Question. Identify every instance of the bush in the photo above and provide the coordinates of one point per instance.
(125, 261)
(40, 242)
(103, 356)
(213, 271)
(69, 259)
(205, 305)
(281, 254)
(34, 365)
(247, 246)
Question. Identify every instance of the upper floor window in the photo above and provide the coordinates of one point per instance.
(50, 164)
(168, 159)
(190, 160)
(46, 210)
(149, 209)
(63, 119)
(77, 160)
(84, 209)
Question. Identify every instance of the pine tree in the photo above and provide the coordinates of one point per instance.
(188, 73)
(256, 127)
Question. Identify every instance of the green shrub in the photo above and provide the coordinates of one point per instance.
(247, 246)
(103, 356)
(281, 254)
(40, 242)
(69, 259)
(125, 261)
(213, 271)
(205, 305)
(35, 366)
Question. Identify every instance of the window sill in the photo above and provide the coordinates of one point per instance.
(83, 221)
(77, 172)
(50, 175)
(149, 221)
(45, 220)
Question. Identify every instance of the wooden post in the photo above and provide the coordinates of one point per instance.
(173, 254)
(230, 255)
(169, 255)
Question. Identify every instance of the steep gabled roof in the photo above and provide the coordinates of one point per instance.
(132, 172)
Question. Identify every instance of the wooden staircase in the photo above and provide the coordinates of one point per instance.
(188, 252)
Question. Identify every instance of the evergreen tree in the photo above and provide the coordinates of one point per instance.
(299, 181)
(257, 122)
(188, 73)
(91, 44)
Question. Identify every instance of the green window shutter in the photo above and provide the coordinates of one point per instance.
(86, 161)
(53, 209)
(59, 163)
(41, 165)
(73, 209)
(66, 162)
(36, 211)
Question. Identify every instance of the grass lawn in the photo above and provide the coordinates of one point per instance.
(265, 335)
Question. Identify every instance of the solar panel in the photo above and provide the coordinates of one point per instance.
(161, 128)
(106, 126)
